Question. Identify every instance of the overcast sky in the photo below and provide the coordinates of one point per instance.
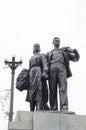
(25, 22)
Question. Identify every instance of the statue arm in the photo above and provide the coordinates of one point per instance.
(49, 57)
(44, 63)
(29, 64)
(44, 66)
(77, 56)
(72, 53)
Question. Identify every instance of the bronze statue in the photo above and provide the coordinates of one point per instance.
(34, 80)
(38, 91)
(59, 70)
(54, 67)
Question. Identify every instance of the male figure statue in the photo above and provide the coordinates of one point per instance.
(59, 71)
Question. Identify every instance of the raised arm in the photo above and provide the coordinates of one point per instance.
(72, 53)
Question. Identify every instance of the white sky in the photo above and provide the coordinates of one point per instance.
(25, 22)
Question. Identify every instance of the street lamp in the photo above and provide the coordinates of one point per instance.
(13, 65)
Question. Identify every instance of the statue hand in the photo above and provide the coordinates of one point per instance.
(44, 75)
(76, 54)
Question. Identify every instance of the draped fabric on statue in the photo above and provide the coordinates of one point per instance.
(38, 90)
(22, 81)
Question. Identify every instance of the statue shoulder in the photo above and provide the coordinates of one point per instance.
(68, 49)
(49, 53)
(42, 54)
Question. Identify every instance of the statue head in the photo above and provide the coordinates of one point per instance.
(56, 42)
(36, 48)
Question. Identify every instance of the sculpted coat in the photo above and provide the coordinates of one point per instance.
(59, 71)
(38, 91)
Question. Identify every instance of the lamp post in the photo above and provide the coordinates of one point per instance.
(13, 65)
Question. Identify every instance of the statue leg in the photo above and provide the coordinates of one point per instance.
(39, 106)
(32, 106)
(46, 107)
(63, 90)
(45, 95)
(53, 90)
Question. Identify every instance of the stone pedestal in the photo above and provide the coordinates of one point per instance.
(47, 121)
(23, 121)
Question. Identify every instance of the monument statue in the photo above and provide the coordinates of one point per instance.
(38, 69)
(54, 67)
(34, 80)
(59, 70)
(37, 94)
